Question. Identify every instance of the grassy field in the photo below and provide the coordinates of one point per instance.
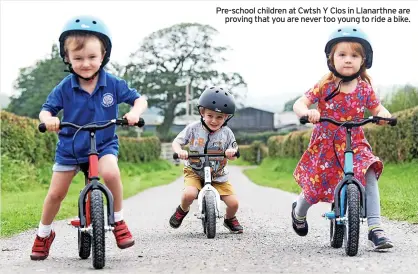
(23, 193)
(398, 185)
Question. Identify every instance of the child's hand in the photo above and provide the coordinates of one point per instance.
(313, 116)
(230, 153)
(52, 124)
(132, 118)
(384, 114)
(183, 154)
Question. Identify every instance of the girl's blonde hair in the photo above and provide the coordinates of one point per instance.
(77, 41)
(330, 77)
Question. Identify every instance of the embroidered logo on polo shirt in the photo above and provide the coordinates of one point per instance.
(107, 100)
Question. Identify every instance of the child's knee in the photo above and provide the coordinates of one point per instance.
(190, 193)
(56, 196)
(110, 176)
(231, 201)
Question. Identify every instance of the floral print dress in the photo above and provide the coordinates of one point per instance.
(318, 172)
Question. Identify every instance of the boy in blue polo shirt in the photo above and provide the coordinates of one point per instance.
(88, 94)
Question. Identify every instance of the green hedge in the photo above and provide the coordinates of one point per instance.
(393, 144)
(21, 140)
(249, 152)
(249, 138)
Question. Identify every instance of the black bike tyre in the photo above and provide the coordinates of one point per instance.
(210, 214)
(98, 225)
(336, 232)
(353, 220)
(84, 244)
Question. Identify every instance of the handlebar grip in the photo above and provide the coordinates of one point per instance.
(393, 121)
(304, 120)
(175, 156)
(141, 122)
(42, 127)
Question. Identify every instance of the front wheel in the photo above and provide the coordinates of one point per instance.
(352, 231)
(98, 224)
(210, 214)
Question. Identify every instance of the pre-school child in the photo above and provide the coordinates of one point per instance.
(88, 94)
(210, 134)
(343, 94)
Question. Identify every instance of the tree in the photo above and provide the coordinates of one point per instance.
(171, 58)
(288, 106)
(401, 98)
(35, 83)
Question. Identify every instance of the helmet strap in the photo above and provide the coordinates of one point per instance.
(343, 78)
(206, 126)
(70, 69)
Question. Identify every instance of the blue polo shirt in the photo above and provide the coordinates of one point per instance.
(80, 107)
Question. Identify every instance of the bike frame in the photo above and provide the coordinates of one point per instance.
(340, 189)
(208, 182)
(92, 180)
(92, 183)
(208, 185)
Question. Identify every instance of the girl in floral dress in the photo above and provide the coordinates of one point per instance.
(343, 95)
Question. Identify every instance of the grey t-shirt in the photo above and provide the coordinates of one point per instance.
(196, 136)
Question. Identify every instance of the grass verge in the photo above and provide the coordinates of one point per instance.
(397, 185)
(25, 186)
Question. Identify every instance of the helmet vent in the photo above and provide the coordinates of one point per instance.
(217, 91)
(226, 93)
(354, 29)
(94, 22)
(225, 105)
(78, 20)
(213, 102)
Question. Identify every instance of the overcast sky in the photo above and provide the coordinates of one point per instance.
(278, 61)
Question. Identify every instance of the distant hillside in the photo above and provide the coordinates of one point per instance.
(4, 100)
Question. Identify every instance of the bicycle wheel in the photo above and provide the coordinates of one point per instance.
(84, 244)
(352, 231)
(210, 214)
(97, 221)
(336, 232)
(84, 241)
(204, 214)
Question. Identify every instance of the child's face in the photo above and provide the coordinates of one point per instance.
(87, 60)
(348, 58)
(214, 120)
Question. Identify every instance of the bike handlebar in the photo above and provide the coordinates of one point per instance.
(176, 156)
(372, 119)
(95, 126)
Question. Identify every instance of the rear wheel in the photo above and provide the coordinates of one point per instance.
(84, 244)
(336, 232)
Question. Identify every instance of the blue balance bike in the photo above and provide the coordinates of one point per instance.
(349, 196)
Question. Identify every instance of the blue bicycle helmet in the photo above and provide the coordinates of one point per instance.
(87, 24)
(351, 34)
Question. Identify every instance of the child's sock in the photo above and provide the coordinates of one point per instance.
(118, 215)
(44, 230)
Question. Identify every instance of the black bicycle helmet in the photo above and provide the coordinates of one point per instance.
(217, 99)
